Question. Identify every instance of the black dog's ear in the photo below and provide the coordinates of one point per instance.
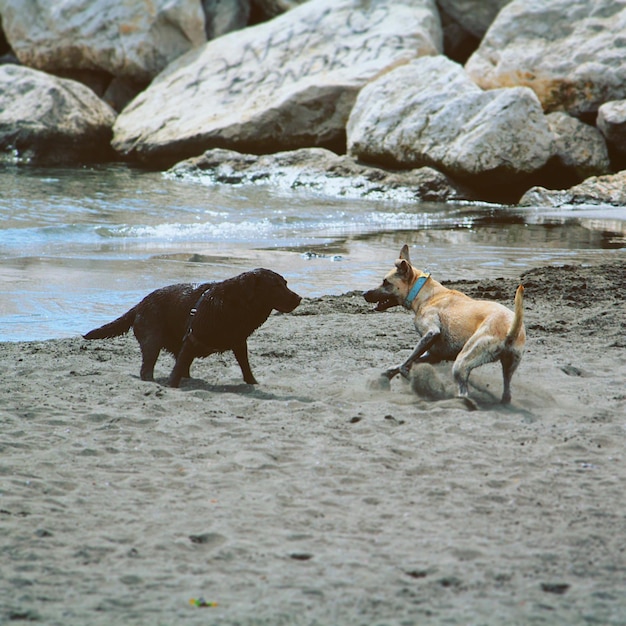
(404, 253)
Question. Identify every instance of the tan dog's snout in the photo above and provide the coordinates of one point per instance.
(392, 291)
(383, 297)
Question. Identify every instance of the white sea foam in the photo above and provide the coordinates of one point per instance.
(197, 231)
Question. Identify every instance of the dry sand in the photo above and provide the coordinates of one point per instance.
(314, 497)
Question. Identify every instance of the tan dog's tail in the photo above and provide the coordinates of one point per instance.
(518, 319)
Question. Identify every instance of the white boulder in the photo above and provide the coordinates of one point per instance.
(611, 122)
(579, 147)
(283, 84)
(321, 171)
(132, 40)
(428, 112)
(49, 120)
(571, 53)
(597, 190)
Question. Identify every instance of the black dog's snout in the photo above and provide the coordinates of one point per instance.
(296, 299)
(289, 303)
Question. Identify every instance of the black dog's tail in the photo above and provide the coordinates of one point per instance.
(113, 329)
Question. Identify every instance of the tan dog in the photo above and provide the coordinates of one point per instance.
(453, 326)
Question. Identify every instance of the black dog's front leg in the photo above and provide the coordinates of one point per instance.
(241, 354)
(423, 345)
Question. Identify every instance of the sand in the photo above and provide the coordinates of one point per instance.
(318, 497)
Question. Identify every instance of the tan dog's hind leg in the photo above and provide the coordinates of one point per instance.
(509, 361)
(481, 348)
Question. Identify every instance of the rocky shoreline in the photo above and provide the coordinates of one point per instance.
(447, 100)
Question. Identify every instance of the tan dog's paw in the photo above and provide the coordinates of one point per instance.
(392, 372)
(470, 405)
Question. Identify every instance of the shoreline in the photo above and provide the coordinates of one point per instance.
(53, 298)
(316, 497)
(60, 278)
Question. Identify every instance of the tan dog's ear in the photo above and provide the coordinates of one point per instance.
(404, 253)
(404, 269)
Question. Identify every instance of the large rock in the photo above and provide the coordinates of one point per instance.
(597, 190)
(321, 171)
(579, 148)
(571, 53)
(49, 120)
(429, 112)
(611, 122)
(287, 83)
(475, 16)
(134, 40)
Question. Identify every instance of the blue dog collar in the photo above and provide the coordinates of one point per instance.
(419, 283)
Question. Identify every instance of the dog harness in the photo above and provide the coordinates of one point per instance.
(419, 283)
(189, 335)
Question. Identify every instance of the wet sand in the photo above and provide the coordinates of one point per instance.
(317, 497)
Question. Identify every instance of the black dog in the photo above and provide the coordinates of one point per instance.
(198, 320)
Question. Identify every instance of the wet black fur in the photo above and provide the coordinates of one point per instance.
(228, 312)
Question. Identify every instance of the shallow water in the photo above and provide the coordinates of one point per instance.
(80, 246)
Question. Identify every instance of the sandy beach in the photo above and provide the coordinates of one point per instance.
(319, 497)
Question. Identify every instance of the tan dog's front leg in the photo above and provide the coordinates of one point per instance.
(424, 344)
